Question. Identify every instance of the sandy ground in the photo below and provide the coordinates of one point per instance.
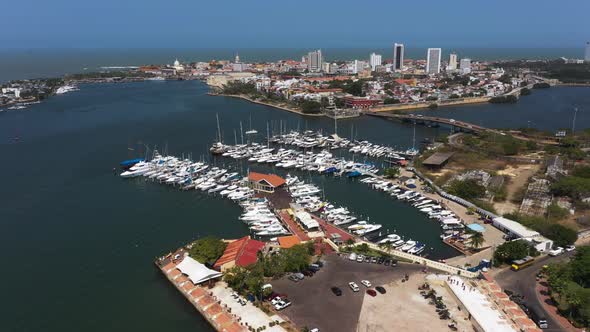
(402, 308)
(519, 175)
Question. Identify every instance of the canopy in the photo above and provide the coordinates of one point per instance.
(196, 271)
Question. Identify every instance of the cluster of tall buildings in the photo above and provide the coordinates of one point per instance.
(314, 61)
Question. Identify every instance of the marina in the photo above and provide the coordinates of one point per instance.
(118, 227)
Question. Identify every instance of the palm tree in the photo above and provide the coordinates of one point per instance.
(476, 240)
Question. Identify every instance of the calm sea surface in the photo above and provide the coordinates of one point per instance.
(79, 242)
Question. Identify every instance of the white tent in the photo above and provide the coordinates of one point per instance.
(196, 271)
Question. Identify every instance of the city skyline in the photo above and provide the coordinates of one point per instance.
(203, 25)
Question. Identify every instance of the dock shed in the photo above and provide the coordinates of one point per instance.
(437, 160)
(264, 182)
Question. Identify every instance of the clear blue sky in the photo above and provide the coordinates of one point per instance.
(301, 23)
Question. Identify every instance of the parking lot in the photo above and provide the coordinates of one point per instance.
(315, 306)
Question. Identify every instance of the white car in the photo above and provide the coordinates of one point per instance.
(570, 248)
(353, 286)
(352, 257)
(282, 304)
(276, 300)
(366, 283)
(360, 258)
(556, 252)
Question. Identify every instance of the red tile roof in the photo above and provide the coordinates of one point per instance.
(243, 251)
(288, 241)
(272, 179)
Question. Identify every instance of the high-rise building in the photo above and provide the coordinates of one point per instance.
(314, 61)
(374, 61)
(433, 60)
(465, 66)
(587, 53)
(452, 61)
(398, 56)
(358, 66)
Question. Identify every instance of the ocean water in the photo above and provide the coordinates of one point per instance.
(79, 241)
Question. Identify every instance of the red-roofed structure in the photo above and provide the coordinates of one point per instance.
(241, 252)
(265, 182)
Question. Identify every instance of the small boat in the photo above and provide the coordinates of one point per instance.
(409, 245)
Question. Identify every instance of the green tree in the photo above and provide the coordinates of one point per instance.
(468, 189)
(391, 172)
(207, 249)
(510, 251)
(476, 240)
(310, 107)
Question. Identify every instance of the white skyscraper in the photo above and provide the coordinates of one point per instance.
(398, 56)
(314, 61)
(433, 60)
(465, 66)
(587, 53)
(452, 61)
(374, 61)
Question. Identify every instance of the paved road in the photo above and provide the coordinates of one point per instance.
(523, 282)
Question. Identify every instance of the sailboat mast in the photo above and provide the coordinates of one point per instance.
(267, 135)
(241, 133)
(218, 127)
(414, 138)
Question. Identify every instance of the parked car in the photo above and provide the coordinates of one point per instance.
(556, 252)
(371, 292)
(387, 262)
(360, 258)
(368, 259)
(381, 260)
(380, 289)
(314, 267)
(366, 283)
(374, 260)
(393, 262)
(308, 273)
(282, 304)
(352, 257)
(353, 286)
(293, 278)
(337, 291)
(570, 248)
(276, 300)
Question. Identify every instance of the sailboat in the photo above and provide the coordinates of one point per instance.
(251, 131)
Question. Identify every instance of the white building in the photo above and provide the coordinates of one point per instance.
(465, 66)
(452, 62)
(398, 56)
(374, 61)
(177, 66)
(433, 57)
(517, 230)
(314, 61)
(587, 53)
(358, 66)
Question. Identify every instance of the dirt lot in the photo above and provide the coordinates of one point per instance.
(518, 175)
(402, 308)
(315, 306)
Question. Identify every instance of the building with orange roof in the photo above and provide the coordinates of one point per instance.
(288, 241)
(264, 182)
(241, 252)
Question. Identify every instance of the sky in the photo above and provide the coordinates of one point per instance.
(292, 24)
